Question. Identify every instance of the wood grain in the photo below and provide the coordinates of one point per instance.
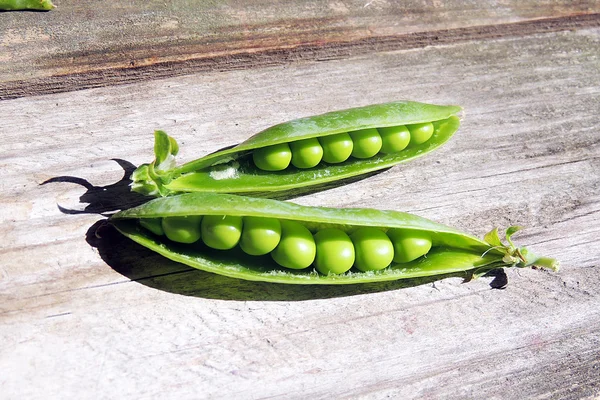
(82, 316)
(83, 45)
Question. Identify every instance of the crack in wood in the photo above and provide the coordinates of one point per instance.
(58, 315)
(533, 168)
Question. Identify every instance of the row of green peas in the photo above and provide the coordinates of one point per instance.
(292, 245)
(337, 148)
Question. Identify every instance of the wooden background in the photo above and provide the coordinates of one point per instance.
(83, 87)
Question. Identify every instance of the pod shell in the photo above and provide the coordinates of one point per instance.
(454, 251)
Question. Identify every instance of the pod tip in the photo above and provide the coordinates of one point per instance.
(547, 263)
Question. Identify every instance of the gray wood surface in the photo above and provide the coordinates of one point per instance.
(84, 44)
(83, 317)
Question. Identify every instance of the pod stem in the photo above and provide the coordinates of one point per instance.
(149, 179)
(517, 256)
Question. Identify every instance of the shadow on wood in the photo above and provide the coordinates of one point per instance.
(104, 199)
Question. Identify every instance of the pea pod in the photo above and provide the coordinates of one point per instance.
(11, 5)
(306, 154)
(448, 250)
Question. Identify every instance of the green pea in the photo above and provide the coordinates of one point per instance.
(260, 235)
(374, 250)
(335, 251)
(367, 143)
(336, 148)
(306, 153)
(296, 249)
(185, 229)
(420, 133)
(154, 225)
(221, 232)
(394, 138)
(409, 245)
(272, 158)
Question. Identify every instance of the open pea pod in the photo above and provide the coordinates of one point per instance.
(306, 154)
(314, 245)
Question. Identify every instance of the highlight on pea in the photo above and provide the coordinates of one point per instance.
(274, 241)
(305, 154)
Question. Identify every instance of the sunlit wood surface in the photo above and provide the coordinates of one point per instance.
(83, 88)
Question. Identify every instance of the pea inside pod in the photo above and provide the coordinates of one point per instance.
(260, 235)
(315, 243)
(335, 253)
(182, 229)
(306, 154)
(292, 244)
(222, 232)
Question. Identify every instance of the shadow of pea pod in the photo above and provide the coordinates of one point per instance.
(145, 267)
(104, 199)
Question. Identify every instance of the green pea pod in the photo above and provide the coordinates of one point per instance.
(451, 250)
(12, 5)
(245, 168)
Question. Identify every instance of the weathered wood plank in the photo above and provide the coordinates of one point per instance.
(104, 318)
(98, 45)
